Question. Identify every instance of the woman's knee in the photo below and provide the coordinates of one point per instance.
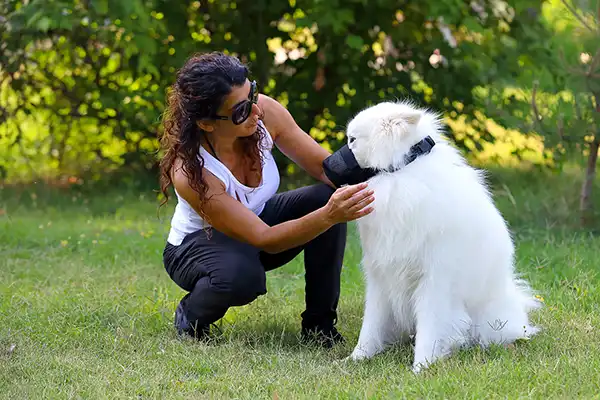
(240, 281)
(320, 194)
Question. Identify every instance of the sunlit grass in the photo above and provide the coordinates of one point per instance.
(86, 311)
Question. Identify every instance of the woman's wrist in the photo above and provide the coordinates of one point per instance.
(323, 214)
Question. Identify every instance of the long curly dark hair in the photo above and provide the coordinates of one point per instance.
(199, 90)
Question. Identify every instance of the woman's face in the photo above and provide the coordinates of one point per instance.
(239, 105)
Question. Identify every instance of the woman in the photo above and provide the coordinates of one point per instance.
(219, 132)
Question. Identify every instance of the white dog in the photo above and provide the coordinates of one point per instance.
(437, 254)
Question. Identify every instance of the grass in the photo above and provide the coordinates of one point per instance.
(86, 311)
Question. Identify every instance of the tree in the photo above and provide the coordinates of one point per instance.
(83, 74)
(83, 81)
(581, 71)
(563, 104)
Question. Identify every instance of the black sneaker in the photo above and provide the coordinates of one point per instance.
(184, 327)
(325, 337)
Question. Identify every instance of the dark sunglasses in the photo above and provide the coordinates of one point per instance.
(242, 110)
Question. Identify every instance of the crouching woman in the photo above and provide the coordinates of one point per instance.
(230, 224)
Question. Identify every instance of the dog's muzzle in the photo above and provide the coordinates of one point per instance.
(342, 168)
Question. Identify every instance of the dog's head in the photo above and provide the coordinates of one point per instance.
(381, 135)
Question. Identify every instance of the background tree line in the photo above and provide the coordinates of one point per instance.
(82, 82)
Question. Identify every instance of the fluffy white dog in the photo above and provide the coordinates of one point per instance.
(437, 254)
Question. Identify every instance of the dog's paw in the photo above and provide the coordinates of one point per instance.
(357, 355)
(417, 368)
(342, 361)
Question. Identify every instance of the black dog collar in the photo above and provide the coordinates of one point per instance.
(419, 149)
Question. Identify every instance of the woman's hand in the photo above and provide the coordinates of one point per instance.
(349, 203)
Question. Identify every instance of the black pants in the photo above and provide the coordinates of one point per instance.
(220, 272)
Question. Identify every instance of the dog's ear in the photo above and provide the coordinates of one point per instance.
(401, 119)
(412, 117)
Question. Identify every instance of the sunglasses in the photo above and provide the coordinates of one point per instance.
(242, 110)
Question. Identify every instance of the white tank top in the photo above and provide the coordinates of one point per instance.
(186, 220)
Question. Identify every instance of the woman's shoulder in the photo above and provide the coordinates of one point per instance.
(181, 179)
(276, 117)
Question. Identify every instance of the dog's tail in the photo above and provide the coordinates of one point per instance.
(505, 318)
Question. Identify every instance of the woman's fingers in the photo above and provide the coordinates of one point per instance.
(353, 201)
(358, 197)
(359, 205)
(362, 213)
(348, 191)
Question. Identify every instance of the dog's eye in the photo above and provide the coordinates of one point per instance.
(352, 139)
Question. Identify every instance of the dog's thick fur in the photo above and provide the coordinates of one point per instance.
(437, 254)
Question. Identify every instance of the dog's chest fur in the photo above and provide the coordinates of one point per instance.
(396, 230)
(393, 239)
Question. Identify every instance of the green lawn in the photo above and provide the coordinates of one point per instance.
(86, 311)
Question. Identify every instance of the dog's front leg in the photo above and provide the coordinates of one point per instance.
(378, 324)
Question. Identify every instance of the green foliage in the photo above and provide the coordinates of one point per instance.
(83, 82)
(573, 119)
(557, 95)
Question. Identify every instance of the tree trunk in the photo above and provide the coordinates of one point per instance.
(585, 200)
